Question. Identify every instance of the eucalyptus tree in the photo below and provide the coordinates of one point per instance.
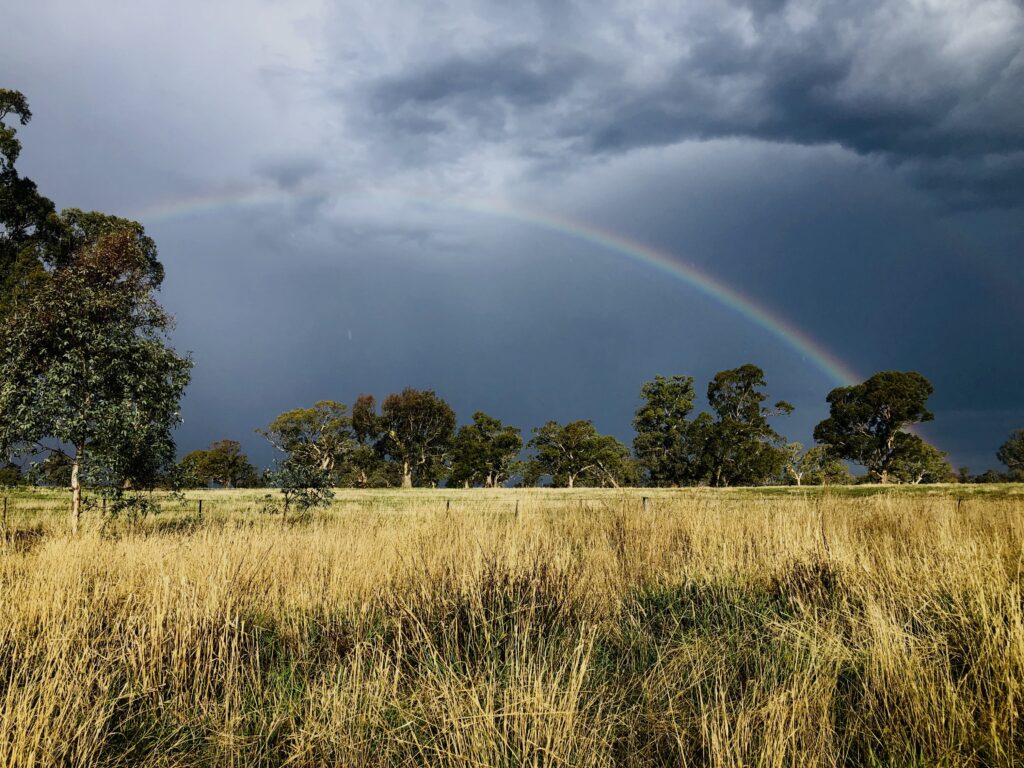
(868, 422)
(663, 430)
(815, 466)
(28, 220)
(11, 475)
(1011, 453)
(86, 369)
(320, 436)
(739, 445)
(413, 431)
(577, 454)
(223, 463)
(483, 453)
(922, 463)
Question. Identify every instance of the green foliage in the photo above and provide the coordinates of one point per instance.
(866, 421)
(815, 466)
(922, 463)
(223, 463)
(85, 365)
(483, 452)
(739, 445)
(11, 476)
(28, 221)
(320, 436)
(303, 485)
(991, 476)
(733, 445)
(54, 470)
(413, 431)
(576, 454)
(663, 431)
(1011, 453)
(80, 229)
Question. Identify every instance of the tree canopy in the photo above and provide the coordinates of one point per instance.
(223, 463)
(1011, 453)
(921, 462)
(86, 369)
(739, 445)
(28, 221)
(663, 430)
(576, 454)
(483, 452)
(815, 466)
(867, 422)
(320, 436)
(414, 431)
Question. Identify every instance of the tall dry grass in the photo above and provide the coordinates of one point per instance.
(709, 629)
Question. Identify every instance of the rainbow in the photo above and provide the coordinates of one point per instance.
(800, 341)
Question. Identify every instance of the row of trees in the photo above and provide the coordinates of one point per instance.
(411, 439)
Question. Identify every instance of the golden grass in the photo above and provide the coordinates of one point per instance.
(725, 629)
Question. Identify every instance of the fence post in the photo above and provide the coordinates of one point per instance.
(200, 508)
(517, 509)
(448, 506)
(647, 503)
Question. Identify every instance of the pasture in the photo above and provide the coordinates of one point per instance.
(775, 627)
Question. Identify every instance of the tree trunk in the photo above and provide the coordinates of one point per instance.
(76, 493)
(571, 478)
(406, 475)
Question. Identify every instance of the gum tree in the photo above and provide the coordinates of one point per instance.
(414, 431)
(223, 463)
(28, 221)
(663, 430)
(85, 365)
(483, 452)
(739, 445)
(1011, 453)
(867, 422)
(320, 436)
(577, 454)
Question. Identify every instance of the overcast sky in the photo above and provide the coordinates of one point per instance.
(326, 181)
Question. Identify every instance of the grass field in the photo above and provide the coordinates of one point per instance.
(774, 627)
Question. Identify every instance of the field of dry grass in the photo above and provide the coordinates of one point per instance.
(519, 628)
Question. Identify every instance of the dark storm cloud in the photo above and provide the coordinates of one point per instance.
(937, 91)
(493, 96)
(520, 76)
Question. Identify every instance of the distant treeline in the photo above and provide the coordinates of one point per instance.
(412, 440)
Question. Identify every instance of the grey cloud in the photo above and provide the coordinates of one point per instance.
(928, 90)
(289, 172)
(488, 91)
(802, 89)
(521, 76)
